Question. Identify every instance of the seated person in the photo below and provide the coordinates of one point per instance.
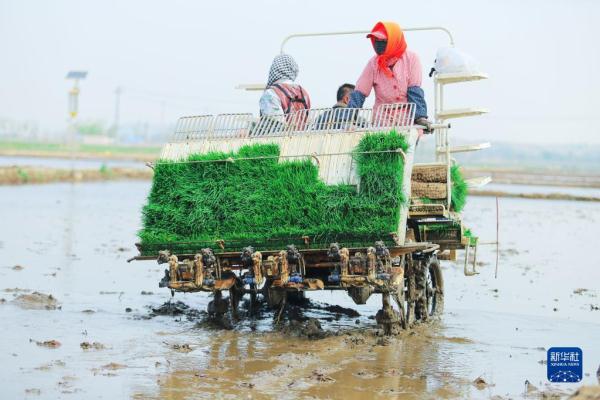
(342, 118)
(331, 119)
(282, 96)
(343, 95)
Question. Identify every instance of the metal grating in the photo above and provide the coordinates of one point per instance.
(201, 127)
(318, 120)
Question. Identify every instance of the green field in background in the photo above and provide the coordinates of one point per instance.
(82, 148)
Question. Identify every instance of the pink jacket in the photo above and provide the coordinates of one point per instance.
(407, 73)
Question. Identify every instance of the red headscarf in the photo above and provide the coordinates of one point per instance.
(396, 45)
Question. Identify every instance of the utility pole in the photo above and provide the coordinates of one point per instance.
(75, 76)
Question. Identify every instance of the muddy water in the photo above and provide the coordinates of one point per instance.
(72, 241)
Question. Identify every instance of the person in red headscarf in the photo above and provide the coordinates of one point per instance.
(394, 73)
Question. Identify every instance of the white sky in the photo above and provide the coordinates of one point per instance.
(178, 58)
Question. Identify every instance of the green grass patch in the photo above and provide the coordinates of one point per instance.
(266, 201)
(85, 148)
(459, 189)
(23, 175)
(105, 171)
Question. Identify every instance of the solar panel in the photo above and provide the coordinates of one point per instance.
(76, 74)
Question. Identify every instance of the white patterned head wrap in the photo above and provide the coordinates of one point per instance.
(283, 67)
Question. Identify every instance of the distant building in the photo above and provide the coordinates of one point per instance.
(20, 130)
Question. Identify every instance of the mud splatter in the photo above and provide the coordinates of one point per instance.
(320, 376)
(365, 374)
(335, 309)
(92, 345)
(170, 308)
(36, 301)
(181, 348)
(480, 383)
(17, 290)
(50, 365)
(310, 329)
(113, 366)
(51, 344)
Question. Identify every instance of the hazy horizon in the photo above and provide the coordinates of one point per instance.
(181, 57)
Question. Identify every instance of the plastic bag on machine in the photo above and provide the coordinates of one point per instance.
(450, 60)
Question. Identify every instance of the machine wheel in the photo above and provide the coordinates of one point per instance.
(253, 298)
(411, 293)
(235, 295)
(275, 297)
(425, 291)
(218, 306)
(400, 302)
(435, 287)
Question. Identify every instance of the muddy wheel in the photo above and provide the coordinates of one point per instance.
(217, 307)
(253, 293)
(421, 313)
(429, 289)
(253, 298)
(400, 302)
(275, 297)
(235, 294)
(435, 287)
(411, 293)
(298, 298)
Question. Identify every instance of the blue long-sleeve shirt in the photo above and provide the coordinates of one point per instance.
(415, 95)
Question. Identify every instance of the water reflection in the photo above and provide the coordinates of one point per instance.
(350, 366)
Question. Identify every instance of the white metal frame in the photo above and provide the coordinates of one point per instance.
(443, 150)
(317, 120)
(343, 33)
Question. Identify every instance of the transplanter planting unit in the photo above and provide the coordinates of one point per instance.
(320, 199)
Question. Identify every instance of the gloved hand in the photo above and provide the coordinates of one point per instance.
(423, 121)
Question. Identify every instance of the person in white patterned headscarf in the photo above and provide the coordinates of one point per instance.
(283, 67)
(282, 96)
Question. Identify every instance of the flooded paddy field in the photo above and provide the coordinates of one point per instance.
(543, 190)
(97, 337)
